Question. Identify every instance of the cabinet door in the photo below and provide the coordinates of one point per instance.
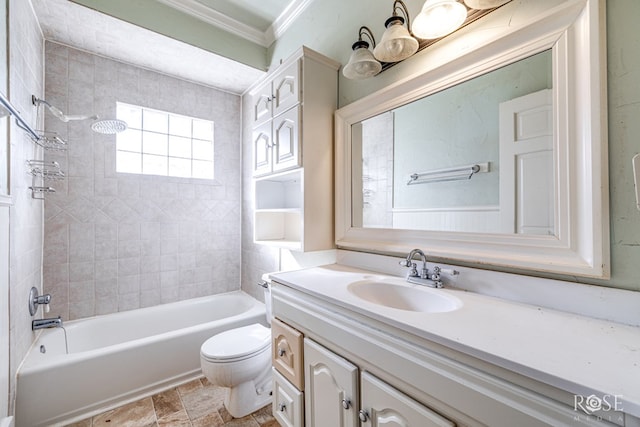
(262, 102)
(331, 392)
(286, 88)
(262, 149)
(286, 139)
(384, 406)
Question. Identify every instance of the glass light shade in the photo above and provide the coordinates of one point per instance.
(396, 44)
(439, 18)
(361, 64)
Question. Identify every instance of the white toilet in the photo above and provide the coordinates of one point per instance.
(241, 360)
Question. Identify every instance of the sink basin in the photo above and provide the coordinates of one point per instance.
(404, 297)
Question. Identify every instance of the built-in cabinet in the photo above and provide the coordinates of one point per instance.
(292, 143)
(334, 391)
(337, 395)
(361, 372)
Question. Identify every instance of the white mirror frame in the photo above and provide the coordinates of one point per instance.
(575, 30)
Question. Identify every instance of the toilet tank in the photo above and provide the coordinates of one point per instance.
(266, 285)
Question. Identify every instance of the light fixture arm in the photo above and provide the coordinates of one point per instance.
(364, 30)
(398, 5)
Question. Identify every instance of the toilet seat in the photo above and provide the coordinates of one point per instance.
(236, 344)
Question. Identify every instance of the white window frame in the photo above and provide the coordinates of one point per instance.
(166, 149)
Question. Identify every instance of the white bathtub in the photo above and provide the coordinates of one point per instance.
(121, 357)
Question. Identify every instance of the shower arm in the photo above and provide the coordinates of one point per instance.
(58, 113)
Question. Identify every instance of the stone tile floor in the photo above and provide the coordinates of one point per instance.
(195, 404)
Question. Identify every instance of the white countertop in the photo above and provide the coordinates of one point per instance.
(579, 354)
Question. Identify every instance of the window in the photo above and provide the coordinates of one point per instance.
(166, 144)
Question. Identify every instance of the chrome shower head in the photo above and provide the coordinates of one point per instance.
(109, 126)
(59, 114)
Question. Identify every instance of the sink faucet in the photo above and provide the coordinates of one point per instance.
(53, 322)
(409, 263)
(422, 278)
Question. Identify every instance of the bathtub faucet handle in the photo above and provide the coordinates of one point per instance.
(35, 300)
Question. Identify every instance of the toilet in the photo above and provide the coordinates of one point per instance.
(240, 359)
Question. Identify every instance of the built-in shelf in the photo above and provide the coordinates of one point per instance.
(278, 214)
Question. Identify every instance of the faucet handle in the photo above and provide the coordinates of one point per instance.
(405, 263)
(412, 265)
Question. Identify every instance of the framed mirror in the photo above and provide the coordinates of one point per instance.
(495, 154)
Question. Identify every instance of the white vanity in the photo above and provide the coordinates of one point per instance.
(465, 359)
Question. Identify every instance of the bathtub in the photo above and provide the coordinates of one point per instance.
(121, 357)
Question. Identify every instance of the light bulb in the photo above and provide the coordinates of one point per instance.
(439, 18)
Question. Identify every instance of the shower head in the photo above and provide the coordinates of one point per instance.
(109, 126)
(59, 114)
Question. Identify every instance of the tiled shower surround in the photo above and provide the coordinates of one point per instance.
(116, 242)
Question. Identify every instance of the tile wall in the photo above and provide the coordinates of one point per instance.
(256, 259)
(25, 228)
(116, 242)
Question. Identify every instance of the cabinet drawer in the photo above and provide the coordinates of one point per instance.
(287, 352)
(288, 406)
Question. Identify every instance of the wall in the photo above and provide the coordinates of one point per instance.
(331, 26)
(116, 242)
(25, 229)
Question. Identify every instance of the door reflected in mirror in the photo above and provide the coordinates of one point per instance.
(476, 157)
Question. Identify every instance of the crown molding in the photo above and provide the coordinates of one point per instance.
(213, 17)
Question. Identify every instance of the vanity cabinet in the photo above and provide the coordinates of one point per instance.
(333, 398)
(292, 143)
(360, 371)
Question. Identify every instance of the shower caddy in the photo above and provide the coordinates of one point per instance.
(41, 170)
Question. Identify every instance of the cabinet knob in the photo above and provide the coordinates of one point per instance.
(363, 415)
(346, 403)
(281, 352)
(282, 407)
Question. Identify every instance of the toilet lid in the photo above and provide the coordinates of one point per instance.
(236, 343)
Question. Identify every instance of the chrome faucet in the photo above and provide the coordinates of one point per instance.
(422, 278)
(52, 322)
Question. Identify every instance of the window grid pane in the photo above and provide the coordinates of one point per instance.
(165, 144)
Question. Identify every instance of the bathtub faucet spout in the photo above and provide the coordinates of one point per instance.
(53, 322)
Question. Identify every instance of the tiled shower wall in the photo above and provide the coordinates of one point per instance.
(116, 242)
(26, 78)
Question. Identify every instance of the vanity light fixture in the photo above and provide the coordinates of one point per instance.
(362, 64)
(397, 42)
(439, 18)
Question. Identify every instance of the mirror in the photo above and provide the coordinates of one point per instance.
(419, 160)
(495, 154)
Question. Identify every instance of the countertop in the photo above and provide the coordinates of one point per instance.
(579, 354)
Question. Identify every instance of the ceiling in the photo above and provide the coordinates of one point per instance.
(260, 21)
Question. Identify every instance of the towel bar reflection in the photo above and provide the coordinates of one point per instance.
(459, 173)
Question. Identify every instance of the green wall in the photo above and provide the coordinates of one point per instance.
(331, 26)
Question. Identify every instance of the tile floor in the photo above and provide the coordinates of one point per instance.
(195, 404)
